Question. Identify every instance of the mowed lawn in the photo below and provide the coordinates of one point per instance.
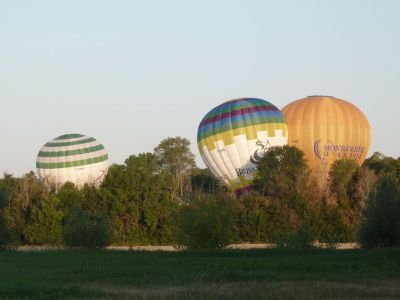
(222, 274)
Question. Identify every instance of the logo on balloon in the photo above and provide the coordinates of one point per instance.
(254, 158)
(322, 151)
(259, 153)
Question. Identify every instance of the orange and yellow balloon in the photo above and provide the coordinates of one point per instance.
(327, 129)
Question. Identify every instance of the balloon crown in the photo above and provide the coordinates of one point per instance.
(320, 96)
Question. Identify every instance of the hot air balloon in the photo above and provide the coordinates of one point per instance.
(326, 129)
(233, 136)
(75, 158)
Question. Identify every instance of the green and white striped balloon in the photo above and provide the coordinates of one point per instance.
(75, 158)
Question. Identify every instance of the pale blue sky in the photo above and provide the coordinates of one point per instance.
(131, 73)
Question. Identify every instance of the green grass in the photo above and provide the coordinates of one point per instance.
(226, 274)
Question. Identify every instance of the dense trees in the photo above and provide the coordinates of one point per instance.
(381, 226)
(17, 195)
(253, 223)
(5, 233)
(282, 179)
(383, 165)
(142, 201)
(282, 173)
(208, 222)
(44, 221)
(163, 198)
(174, 156)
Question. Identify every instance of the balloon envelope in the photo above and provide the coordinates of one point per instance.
(233, 136)
(326, 129)
(75, 158)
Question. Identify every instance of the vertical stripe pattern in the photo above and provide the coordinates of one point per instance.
(326, 129)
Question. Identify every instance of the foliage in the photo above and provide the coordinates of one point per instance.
(301, 238)
(208, 222)
(383, 165)
(328, 226)
(341, 176)
(141, 203)
(83, 230)
(69, 196)
(17, 197)
(364, 182)
(162, 198)
(252, 218)
(44, 222)
(174, 156)
(341, 211)
(282, 172)
(381, 224)
(120, 182)
(5, 237)
(203, 181)
(283, 178)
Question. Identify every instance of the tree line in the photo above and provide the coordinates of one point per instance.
(162, 198)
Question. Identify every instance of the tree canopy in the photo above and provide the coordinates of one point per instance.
(163, 198)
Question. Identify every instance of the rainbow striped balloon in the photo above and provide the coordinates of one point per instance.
(75, 158)
(233, 136)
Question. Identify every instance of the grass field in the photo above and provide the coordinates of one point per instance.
(230, 274)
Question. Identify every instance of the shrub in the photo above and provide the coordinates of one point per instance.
(301, 238)
(44, 225)
(381, 223)
(85, 231)
(208, 222)
(330, 227)
(5, 237)
(252, 218)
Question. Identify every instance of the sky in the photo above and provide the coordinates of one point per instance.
(131, 73)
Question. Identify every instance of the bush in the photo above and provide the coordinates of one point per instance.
(208, 222)
(381, 223)
(302, 238)
(252, 218)
(5, 237)
(85, 231)
(44, 225)
(330, 227)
